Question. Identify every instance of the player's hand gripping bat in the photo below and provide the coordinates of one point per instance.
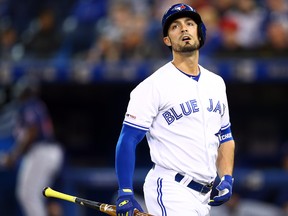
(106, 208)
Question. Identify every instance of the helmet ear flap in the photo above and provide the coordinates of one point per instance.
(202, 33)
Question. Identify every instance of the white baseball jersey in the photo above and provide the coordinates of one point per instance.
(182, 117)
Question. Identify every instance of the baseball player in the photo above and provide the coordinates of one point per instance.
(183, 111)
(41, 156)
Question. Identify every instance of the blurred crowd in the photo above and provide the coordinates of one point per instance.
(97, 30)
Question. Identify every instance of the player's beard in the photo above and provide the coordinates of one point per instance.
(187, 48)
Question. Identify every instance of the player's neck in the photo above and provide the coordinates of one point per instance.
(186, 64)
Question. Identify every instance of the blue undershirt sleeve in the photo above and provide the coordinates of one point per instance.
(125, 158)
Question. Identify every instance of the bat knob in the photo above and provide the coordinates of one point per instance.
(44, 190)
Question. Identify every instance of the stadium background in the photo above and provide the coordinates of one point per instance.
(92, 53)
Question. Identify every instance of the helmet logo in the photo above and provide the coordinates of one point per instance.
(179, 8)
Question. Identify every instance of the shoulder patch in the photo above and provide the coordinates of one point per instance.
(130, 116)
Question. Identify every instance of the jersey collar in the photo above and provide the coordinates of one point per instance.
(196, 78)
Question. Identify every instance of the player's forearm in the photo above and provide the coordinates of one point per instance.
(225, 160)
(124, 165)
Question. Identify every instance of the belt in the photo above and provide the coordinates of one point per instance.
(195, 185)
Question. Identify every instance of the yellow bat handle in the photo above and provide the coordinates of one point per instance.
(106, 208)
(49, 192)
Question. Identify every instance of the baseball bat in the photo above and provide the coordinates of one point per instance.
(103, 207)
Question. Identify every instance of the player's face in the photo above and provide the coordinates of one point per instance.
(182, 35)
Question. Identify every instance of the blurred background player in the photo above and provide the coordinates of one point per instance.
(35, 147)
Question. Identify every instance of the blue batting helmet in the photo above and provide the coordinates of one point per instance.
(183, 10)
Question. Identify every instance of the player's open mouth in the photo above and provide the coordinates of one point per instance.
(186, 38)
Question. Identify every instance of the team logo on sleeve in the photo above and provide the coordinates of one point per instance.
(130, 116)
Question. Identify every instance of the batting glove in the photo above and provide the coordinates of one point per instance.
(225, 191)
(126, 203)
